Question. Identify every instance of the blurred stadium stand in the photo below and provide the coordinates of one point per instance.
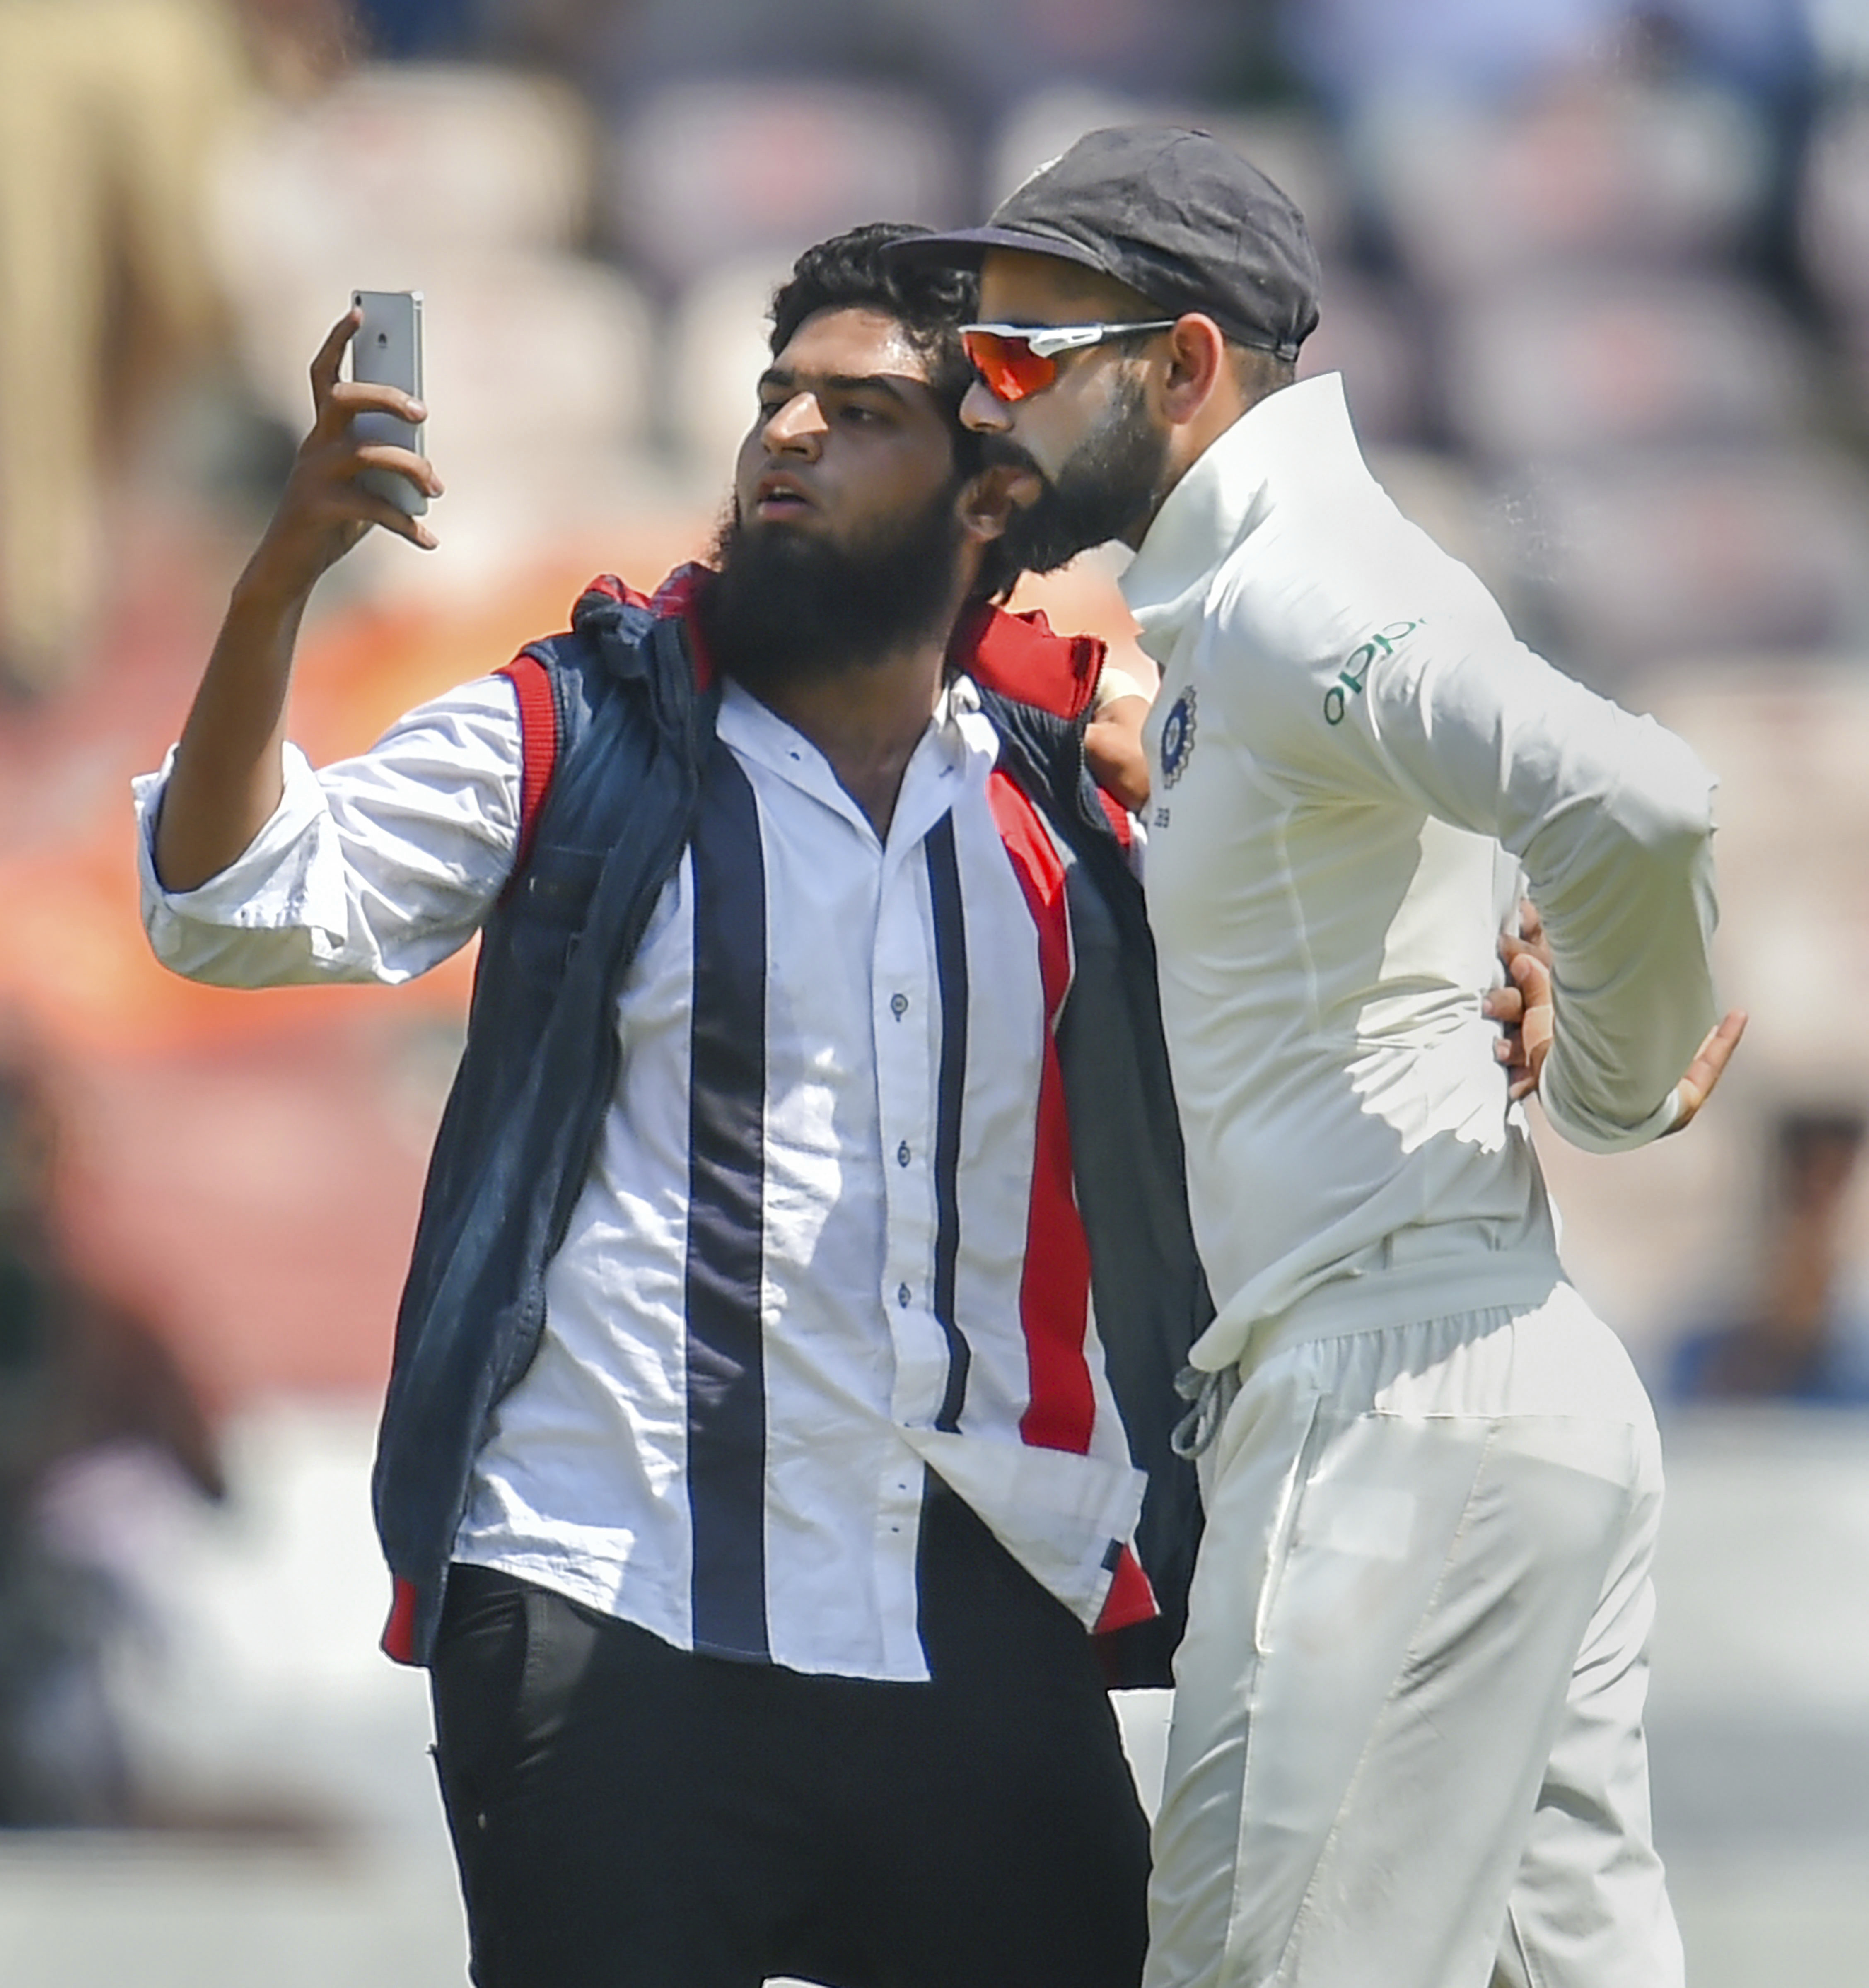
(1604, 172)
(1643, 557)
(702, 173)
(1560, 365)
(1650, 420)
(476, 188)
(1836, 225)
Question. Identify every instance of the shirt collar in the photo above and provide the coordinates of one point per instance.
(1226, 495)
(959, 749)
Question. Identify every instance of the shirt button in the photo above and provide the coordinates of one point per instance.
(903, 1294)
(899, 1006)
(902, 1153)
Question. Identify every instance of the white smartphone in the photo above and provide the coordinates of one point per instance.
(387, 351)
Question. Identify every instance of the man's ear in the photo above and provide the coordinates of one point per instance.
(1198, 370)
(989, 498)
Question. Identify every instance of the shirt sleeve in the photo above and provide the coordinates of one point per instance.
(1610, 814)
(374, 868)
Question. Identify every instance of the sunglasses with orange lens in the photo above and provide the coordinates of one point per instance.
(1017, 360)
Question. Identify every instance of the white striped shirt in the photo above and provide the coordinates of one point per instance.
(817, 1249)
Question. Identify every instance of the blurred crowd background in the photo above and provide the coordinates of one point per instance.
(1597, 276)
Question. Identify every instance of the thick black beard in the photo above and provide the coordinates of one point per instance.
(790, 608)
(1113, 482)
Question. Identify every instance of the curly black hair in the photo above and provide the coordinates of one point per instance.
(853, 271)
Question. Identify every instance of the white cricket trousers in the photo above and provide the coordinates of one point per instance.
(1407, 1748)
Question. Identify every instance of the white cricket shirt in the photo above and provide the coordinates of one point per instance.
(799, 1270)
(1351, 757)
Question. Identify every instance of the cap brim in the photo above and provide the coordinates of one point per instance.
(966, 248)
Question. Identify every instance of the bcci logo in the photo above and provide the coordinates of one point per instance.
(1177, 737)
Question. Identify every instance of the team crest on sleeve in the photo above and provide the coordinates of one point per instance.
(1178, 737)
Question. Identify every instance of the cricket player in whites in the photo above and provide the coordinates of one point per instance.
(1407, 1749)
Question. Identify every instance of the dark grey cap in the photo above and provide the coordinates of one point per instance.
(1174, 214)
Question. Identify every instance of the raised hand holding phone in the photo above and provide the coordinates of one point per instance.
(229, 770)
(352, 468)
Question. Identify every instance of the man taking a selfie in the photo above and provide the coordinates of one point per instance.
(806, 1207)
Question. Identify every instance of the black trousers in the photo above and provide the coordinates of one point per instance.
(629, 1815)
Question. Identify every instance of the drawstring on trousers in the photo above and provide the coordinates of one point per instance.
(1212, 1395)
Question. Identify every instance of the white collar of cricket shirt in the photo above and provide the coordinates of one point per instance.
(1226, 495)
(957, 751)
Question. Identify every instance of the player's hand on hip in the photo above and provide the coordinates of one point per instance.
(1702, 1076)
(1523, 1006)
(324, 510)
